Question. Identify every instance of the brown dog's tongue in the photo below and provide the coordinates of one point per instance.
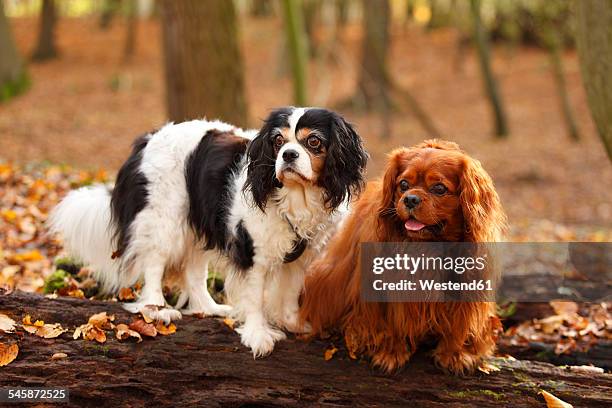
(414, 225)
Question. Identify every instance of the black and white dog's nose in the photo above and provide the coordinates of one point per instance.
(290, 155)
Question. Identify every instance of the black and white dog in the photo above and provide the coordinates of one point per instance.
(199, 192)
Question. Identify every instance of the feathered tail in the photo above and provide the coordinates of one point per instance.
(83, 218)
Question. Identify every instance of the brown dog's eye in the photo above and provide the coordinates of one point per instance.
(439, 189)
(314, 142)
(279, 141)
(403, 185)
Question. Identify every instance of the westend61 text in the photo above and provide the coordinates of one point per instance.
(432, 285)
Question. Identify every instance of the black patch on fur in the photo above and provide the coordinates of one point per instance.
(208, 170)
(299, 246)
(261, 177)
(346, 157)
(240, 248)
(129, 195)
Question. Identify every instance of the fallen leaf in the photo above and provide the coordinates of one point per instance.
(229, 322)
(7, 325)
(102, 320)
(58, 356)
(8, 353)
(122, 332)
(488, 368)
(165, 330)
(144, 328)
(27, 320)
(89, 332)
(126, 294)
(564, 307)
(554, 402)
(50, 331)
(146, 313)
(329, 353)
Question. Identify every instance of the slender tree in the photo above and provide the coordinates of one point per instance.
(374, 82)
(129, 47)
(203, 63)
(261, 8)
(109, 9)
(13, 76)
(490, 83)
(594, 41)
(297, 47)
(46, 48)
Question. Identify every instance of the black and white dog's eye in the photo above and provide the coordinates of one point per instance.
(403, 185)
(313, 142)
(279, 141)
(439, 189)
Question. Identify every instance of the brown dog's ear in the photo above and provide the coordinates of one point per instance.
(386, 208)
(485, 220)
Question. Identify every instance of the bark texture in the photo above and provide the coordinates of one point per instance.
(203, 63)
(46, 48)
(594, 42)
(203, 364)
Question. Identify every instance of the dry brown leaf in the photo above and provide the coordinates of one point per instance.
(144, 328)
(554, 402)
(59, 356)
(147, 311)
(102, 321)
(329, 353)
(27, 320)
(122, 332)
(563, 307)
(165, 330)
(89, 332)
(229, 322)
(488, 368)
(126, 294)
(42, 329)
(7, 325)
(8, 353)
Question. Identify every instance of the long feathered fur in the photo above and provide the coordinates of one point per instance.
(390, 332)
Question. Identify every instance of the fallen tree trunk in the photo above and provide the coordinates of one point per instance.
(204, 364)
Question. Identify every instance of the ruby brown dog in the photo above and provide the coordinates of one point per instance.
(430, 192)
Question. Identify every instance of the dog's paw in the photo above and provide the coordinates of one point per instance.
(216, 310)
(459, 362)
(390, 362)
(259, 338)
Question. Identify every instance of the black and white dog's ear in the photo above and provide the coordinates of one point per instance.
(261, 178)
(345, 163)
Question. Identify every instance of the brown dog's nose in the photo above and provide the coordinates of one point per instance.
(411, 201)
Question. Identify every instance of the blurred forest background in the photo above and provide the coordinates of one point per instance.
(80, 79)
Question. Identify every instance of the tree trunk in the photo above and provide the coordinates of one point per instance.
(203, 63)
(109, 9)
(132, 17)
(594, 42)
(490, 84)
(261, 8)
(13, 77)
(46, 48)
(297, 46)
(374, 81)
(204, 364)
(312, 10)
